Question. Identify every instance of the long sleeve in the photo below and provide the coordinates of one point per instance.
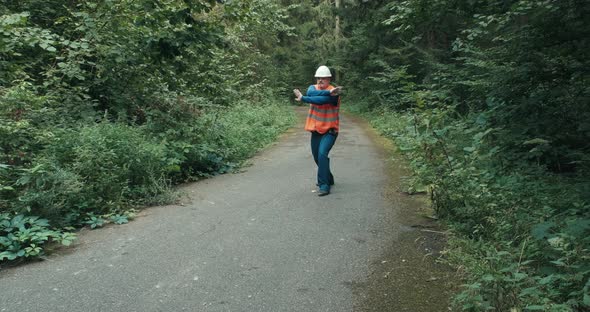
(319, 97)
(312, 91)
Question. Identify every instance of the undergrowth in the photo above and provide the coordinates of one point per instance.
(520, 233)
(93, 174)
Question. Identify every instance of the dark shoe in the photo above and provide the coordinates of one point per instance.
(323, 192)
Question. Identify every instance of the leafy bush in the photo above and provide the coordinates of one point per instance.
(25, 237)
(488, 101)
(247, 128)
(95, 221)
(50, 192)
(104, 105)
(523, 234)
(26, 119)
(101, 168)
(202, 139)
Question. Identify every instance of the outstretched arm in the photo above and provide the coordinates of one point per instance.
(319, 97)
(312, 91)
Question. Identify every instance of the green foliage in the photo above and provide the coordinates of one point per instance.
(202, 139)
(25, 122)
(246, 128)
(119, 219)
(310, 42)
(98, 168)
(49, 192)
(489, 102)
(103, 106)
(525, 221)
(25, 237)
(95, 221)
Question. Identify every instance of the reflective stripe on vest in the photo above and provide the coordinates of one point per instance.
(322, 110)
(322, 118)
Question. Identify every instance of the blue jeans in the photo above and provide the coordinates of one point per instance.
(321, 144)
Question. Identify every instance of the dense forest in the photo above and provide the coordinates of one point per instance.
(490, 102)
(106, 104)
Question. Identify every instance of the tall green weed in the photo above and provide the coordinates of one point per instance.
(246, 128)
(522, 233)
(100, 168)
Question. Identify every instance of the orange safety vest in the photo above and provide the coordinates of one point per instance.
(322, 118)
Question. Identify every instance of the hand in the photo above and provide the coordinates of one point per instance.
(336, 91)
(298, 95)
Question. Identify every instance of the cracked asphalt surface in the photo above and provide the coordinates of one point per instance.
(258, 240)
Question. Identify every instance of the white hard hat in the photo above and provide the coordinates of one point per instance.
(323, 71)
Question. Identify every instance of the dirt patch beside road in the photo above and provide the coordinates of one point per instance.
(408, 276)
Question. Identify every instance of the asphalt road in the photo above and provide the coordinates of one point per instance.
(258, 240)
